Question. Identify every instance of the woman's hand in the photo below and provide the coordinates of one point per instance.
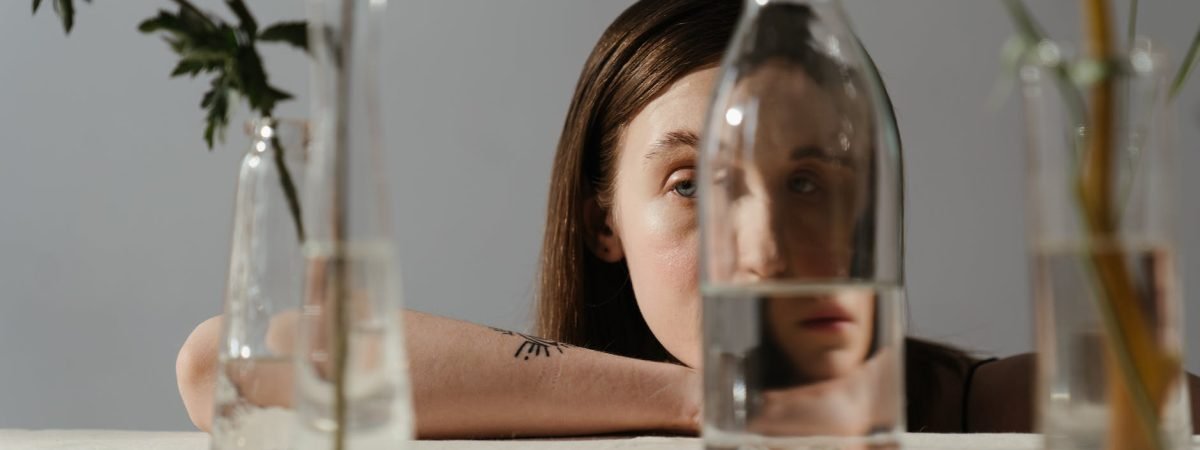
(851, 405)
(688, 393)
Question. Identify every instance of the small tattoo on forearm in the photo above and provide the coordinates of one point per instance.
(533, 346)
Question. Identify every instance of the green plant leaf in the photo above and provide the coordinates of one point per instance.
(187, 9)
(206, 56)
(246, 20)
(65, 9)
(193, 65)
(187, 21)
(278, 95)
(187, 67)
(164, 21)
(66, 12)
(253, 80)
(1185, 69)
(216, 100)
(294, 33)
(1024, 21)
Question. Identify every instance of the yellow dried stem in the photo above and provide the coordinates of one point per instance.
(1140, 373)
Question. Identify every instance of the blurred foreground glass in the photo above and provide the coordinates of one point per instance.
(801, 219)
(264, 286)
(1084, 398)
(351, 372)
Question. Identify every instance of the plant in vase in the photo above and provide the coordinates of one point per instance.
(1100, 235)
(208, 45)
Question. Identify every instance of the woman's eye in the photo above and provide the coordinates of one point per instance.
(685, 189)
(802, 184)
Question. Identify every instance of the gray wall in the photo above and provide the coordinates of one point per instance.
(114, 221)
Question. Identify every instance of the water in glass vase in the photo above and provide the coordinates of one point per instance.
(375, 394)
(1075, 400)
(801, 365)
(239, 419)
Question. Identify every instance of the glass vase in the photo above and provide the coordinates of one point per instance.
(263, 292)
(1107, 301)
(801, 220)
(351, 371)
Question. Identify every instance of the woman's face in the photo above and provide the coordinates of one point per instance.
(788, 206)
(654, 211)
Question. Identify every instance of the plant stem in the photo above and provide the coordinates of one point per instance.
(1185, 69)
(1142, 372)
(341, 217)
(1096, 176)
(289, 187)
(1029, 28)
(1131, 26)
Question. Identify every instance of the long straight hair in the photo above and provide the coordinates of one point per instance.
(583, 300)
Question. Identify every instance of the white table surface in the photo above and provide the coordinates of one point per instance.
(139, 440)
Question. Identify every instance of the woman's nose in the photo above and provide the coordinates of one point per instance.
(765, 263)
(761, 252)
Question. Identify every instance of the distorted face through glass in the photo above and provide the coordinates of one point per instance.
(792, 181)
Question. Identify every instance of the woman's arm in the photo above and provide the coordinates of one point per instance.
(474, 381)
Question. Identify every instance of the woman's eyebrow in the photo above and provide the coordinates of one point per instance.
(671, 142)
(820, 154)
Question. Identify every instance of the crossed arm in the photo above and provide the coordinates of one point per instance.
(471, 381)
(474, 381)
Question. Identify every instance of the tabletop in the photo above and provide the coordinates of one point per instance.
(139, 440)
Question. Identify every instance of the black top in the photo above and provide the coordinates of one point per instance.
(938, 382)
(967, 392)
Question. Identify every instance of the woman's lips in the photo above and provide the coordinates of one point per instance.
(828, 319)
(827, 325)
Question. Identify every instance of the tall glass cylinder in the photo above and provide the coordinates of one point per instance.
(801, 219)
(352, 382)
(1108, 308)
(263, 293)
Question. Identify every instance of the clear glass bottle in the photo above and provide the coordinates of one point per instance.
(1088, 284)
(801, 232)
(352, 379)
(263, 293)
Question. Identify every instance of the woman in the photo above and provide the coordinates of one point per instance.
(618, 298)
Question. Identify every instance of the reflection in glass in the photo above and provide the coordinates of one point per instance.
(801, 221)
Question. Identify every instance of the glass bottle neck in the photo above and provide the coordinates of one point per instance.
(268, 135)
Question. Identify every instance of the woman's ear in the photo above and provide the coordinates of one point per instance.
(600, 234)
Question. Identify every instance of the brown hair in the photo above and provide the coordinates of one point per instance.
(583, 300)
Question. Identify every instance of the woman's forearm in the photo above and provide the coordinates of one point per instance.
(475, 381)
